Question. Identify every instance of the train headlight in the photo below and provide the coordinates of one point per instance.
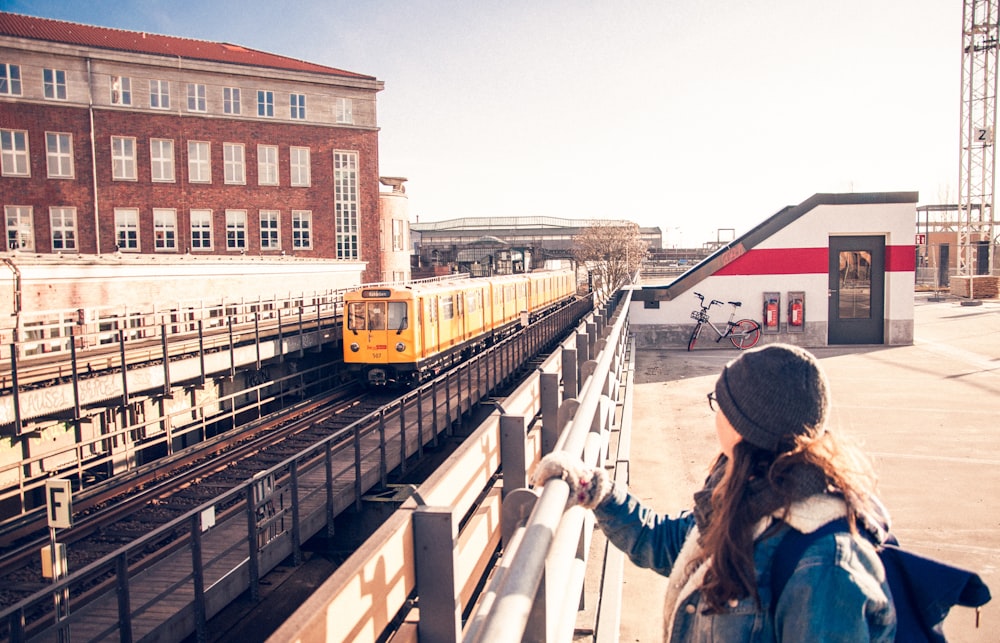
(400, 347)
(355, 347)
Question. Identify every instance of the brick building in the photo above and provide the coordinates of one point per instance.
(126, 143)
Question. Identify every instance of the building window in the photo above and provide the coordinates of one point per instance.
(199, 162)
(161, 160)
(265, 103)
(302, 229)
(121, 90)
(54, 84)
(345, 111)
(201, 230)
(63, 224)
(59, 155)
(123, 158)
(398, 235)
(267, 165)
(127, 229)
(234, 160)
(10, 79)
(270, 237)
(196, 98)
(164, 230)
(299, 162)
(13, 152)
(19, 227)
(345, 203)
(236, 229)
(231, 100)
(297, 102)
(159, 94)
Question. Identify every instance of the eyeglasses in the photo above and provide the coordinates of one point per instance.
(713, 402)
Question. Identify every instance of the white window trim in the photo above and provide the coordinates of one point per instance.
(233, 104)
(197, 98)
(9, 157)
(12, 85)
(71, 228)
(161, 166)
(277, 230)
(25, 216)
(162, 92)
(299, 216)
(347, 206)
(297, 107)
(128, 226)
(158, 227)
(123, 89)
(61, 156)
(197, 214)
(202, 165)
(234, 164)
(126, 161)
(344, 111)
(231, 225)
(266, 166)
(300, 170)
(265, 103)
(55, 85)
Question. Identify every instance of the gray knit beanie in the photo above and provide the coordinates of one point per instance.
(772, 394)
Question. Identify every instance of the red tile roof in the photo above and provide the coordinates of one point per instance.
(71, 33)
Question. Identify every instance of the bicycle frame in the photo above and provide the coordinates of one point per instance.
(744, 333)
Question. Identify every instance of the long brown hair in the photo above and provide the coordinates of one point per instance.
(729, 538)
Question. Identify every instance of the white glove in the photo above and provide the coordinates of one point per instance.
(588, 486)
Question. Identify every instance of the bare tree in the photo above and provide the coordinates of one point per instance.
(612, 252)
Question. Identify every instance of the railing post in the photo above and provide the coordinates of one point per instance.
(124, 603)
(550, 410)
(570, 372)
(513, 452)
(198, 578)
(434, 532)
(296, 502)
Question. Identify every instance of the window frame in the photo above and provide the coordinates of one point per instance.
(266, 166)
(164, 230)
(160, 90)
(162, 168)
(344, 111)
(347, 204)
(297, 106)
(236, 230)
(233, 166)
(54, 84)
(270, 230)
(23, 229)
(200, 166)
(197, 98)
(10, 79)
(59, 226)
(121, 158)
(299, 169)
(127, 238)
(232, 101)
(123, 94)
(12, 157)
(265, 103)
(60, 158)
(200, 232)
(302, 230)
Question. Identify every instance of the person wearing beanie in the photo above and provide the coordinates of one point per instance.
(779, 468)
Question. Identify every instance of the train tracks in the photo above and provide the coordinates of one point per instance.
(110, 518)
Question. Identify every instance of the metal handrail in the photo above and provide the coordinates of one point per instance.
(506, 617)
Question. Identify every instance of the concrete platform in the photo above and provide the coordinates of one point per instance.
(929, 414)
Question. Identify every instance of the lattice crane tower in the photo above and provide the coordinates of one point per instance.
(979, 119)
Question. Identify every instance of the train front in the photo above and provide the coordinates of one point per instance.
(378, 335)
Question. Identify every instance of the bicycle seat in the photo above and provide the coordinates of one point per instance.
(736, 303)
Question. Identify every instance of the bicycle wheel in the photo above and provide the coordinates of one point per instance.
(694, 336)
(746, 334)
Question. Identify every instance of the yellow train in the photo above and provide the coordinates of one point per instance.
(405, 334)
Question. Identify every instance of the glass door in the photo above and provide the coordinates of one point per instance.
(857, 290)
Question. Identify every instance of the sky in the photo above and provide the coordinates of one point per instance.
(702, 118)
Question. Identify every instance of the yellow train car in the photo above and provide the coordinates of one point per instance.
(403, 335)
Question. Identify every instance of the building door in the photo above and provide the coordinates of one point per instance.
(857, 290)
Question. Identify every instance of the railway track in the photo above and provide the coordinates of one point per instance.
(112, 518)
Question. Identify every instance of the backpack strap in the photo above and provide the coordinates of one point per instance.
(790, 550)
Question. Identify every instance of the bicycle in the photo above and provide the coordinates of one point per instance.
(744, 333)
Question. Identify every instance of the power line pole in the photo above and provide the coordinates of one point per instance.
(979, 118)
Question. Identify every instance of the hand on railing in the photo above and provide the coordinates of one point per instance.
(588, 486)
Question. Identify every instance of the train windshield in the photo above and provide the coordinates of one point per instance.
(377, 315)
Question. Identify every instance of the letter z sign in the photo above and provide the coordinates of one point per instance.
(58, 495)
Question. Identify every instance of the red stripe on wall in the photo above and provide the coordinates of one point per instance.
(806, 261)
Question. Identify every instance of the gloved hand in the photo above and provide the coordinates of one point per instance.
(588, 486)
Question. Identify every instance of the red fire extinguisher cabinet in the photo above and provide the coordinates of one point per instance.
(771, 317)
(796, 311)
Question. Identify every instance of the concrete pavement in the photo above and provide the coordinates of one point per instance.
(927, 413)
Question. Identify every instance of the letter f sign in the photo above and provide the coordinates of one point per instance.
(58, 495)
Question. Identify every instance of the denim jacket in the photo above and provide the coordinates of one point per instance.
(838, 591)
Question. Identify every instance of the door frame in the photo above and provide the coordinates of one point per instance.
(857, 330)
